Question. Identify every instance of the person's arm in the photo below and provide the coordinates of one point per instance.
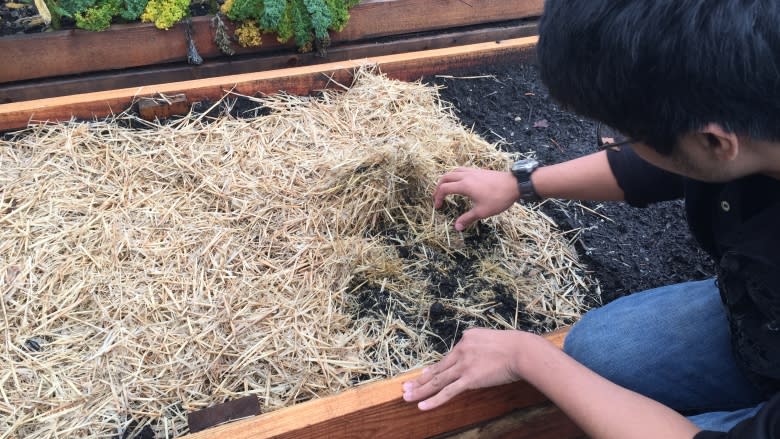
(602, 409)
(492, 192)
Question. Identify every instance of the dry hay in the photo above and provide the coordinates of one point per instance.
(147, 273)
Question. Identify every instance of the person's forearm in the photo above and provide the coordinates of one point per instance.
(585, 178)
(602, 409)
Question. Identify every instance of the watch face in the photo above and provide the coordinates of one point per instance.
(525, 165)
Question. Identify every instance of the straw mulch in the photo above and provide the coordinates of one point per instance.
(146, 273)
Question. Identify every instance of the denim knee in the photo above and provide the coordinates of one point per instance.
(588, 342)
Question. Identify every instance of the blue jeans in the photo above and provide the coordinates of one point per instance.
(670, 344)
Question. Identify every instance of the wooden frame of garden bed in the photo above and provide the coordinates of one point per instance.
(71, 52)
(377, 409)
(514, 410)
(138, 77)
(299, 80)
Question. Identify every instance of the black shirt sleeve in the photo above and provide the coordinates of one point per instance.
(764, 425)
(643, 183)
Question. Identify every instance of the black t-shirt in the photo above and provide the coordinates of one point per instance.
(738, 224)
(766, 424)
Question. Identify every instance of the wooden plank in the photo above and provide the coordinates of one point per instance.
(392, 17)
(377, 410)
(545, 421)
(29, 90)
(133, 45)
(299, 80)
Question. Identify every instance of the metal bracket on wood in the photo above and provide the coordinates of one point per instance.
(163, 107)
(223, 413)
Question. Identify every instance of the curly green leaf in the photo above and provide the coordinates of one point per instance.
(99, 17)
(165, 13)
(339, 12)
(272, 14)
(132, 9)
(241, 10)
(72, 7)
(286, 28)
(321, 17)
(302, 26)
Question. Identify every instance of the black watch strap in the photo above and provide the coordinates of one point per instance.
(522, 170)
(527, 191)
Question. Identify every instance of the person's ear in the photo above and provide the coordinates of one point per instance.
(720, 144)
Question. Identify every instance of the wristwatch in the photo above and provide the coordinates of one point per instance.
(522, 170)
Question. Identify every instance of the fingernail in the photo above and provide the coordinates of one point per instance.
(458, 227)
(407, 396)
(422, 406)
(408, 387)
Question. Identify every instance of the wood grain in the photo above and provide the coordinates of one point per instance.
(299, 80)
(63, 86)
(377, 411)
(545, 421)
(69, 52)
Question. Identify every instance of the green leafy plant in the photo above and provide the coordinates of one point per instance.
(307, 21)
(165, 13)
(132, 9)
(99, 16)
(249, 34)
(95, 15)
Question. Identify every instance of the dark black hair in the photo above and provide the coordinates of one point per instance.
(657, 69)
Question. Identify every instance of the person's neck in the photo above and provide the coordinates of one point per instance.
(768, 153)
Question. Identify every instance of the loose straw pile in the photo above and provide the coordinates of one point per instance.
(146, 273)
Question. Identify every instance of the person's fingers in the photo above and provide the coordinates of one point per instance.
(466, 220)
(411, 388)
(447, 393)
(443, 189)
(451, 177)
(434, 383)
(429, 372)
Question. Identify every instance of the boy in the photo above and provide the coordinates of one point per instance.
(695, 86)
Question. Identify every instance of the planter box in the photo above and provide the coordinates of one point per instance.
(298, 80)
(70, 52)
(374, 410)
(377, 410)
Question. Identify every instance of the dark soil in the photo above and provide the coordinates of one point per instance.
(16, 18)
(449, 275)
(634, 249)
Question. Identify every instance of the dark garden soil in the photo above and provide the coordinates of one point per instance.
(18, 17)
(626, 249)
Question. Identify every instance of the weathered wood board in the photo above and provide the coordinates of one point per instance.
(299, 80)
(70, 52)
(377, 411)
(137, 77)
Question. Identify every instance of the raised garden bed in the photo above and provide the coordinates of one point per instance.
(384, 414)
(299, 80)
(514, 410)
(411, 66)
(70, 52)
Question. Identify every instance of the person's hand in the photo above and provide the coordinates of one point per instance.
(491, 192)
(483, 358)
